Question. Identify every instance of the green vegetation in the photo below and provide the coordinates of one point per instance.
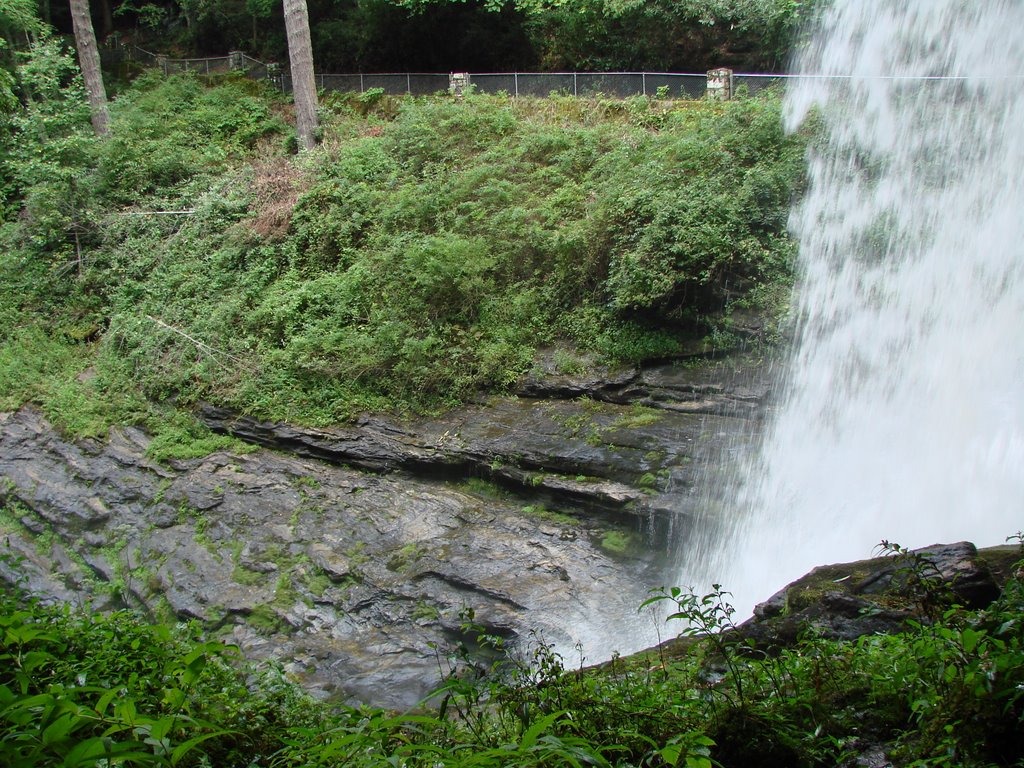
(486, 489)
(619, 542)
(77, 689)
(316, 580)
(541, 512)
(639, 416)
(420, 255)
(247, 577)
(406, 557)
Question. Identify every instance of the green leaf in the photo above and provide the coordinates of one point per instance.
(88, 751)
(159, 729)
(64, 724)
(125, 711)
(184, 748)
(970, 639)
(534, 731)
(671, 753)
(100, 707)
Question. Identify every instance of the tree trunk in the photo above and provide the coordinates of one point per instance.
(300, 55)
(89, 60)
(107, 14)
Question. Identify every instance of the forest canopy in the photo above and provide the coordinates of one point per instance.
(472, 35)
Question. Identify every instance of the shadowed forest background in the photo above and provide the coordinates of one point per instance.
(471, 35)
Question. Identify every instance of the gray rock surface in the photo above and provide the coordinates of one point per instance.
(349, 554)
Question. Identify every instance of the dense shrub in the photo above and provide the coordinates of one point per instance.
(422, 254)
(170, 130)
(76, 688)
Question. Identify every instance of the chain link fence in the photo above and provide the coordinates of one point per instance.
(611, 84)
(540, 84)
(620, 85)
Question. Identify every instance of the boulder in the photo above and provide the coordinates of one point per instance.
(846, 601)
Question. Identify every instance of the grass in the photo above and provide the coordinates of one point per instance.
(486, 489)
(406, 557)
(619, 542)
(639, 416)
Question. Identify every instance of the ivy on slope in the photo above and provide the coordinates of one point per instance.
(420, 255)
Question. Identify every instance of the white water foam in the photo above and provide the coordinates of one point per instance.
(902, 414)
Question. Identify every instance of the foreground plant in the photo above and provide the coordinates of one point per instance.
(89, 690)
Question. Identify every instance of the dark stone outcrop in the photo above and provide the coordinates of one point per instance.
(881, 595)
(736, 385)
(633, 454)
(847, 601)
(875, 596)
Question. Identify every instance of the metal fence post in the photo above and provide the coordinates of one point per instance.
(643, 82)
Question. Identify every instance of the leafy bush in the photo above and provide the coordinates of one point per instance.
(423, 254)
(80, 689)
(167, 131)
(76, 689)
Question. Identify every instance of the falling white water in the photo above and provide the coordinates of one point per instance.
(902, 415)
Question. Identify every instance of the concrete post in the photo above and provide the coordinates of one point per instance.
(274, 75)
(236, 60)
(458, 83)
(720, 84)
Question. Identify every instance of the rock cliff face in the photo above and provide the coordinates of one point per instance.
(349, 554)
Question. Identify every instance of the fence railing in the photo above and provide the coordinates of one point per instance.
(610, 84)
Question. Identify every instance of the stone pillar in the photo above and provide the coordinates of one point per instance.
(719, 84)
(274, 75)
(458, 84)
(236, 60)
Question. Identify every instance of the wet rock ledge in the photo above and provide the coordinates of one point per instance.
(348, 554)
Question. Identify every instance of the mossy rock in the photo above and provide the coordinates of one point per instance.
(880, 595)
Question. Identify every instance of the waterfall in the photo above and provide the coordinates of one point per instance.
(901, 414)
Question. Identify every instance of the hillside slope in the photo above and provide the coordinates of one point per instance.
(422, 254)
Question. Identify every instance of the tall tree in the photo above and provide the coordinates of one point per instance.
(89, 61)
(300, 55)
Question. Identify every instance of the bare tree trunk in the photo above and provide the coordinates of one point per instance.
(300, 55)
(89, 60)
